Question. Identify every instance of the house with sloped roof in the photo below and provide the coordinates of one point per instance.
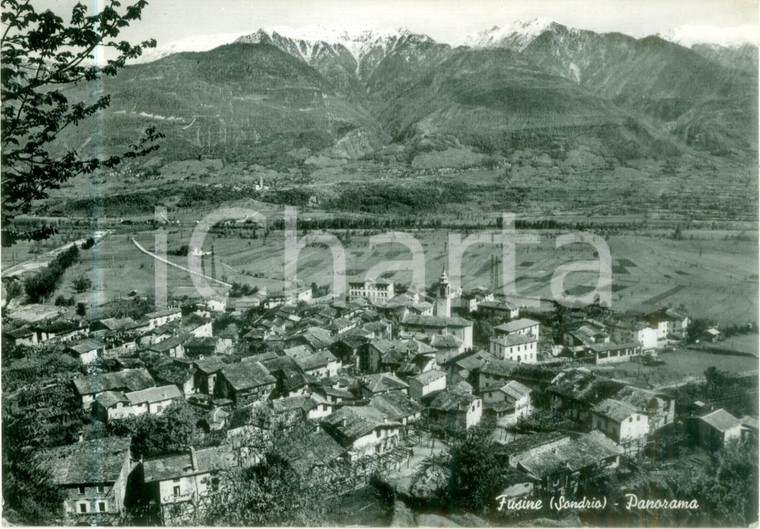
(432, 325)
(427, 383)
(206, 371)
(181, 373)
(320, 364)
(174, 481)
(398, 407)
(92, 493)
(317, 454)
(717, 428)
(515, 347)
(244, 382)
(494, 373)
(512, 400)
(523, 326)
(290, 378)
(111, 405)
(173, 347)
(621, 422)
(574, 393)
(89, 387)
(377, 384)
(163, 316)
(558, 463)
(86, 351)
(362, 431)
(455, 410)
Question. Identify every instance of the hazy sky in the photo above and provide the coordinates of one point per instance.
(443, 20)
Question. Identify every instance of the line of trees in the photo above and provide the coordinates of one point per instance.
(43, 283)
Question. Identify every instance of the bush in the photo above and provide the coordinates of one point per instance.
(82, 284)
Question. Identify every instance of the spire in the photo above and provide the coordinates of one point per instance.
(444, 278)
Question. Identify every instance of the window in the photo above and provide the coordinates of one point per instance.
(82, 508)
(101, 489)
(82, 490)
(177, 491)
(101, 506)
(377, 432)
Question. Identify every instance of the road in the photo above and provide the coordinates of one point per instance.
(175, 265)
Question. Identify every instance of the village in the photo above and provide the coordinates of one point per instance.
(377, 383)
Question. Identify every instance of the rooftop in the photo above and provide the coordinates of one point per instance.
(126, 380)
(419, 320)
(516, 325)
(721, 420)
(356, 421)
(192, 463)
(248, 373)
(154, 394)
(382, 382)
(429, 376)
(74, 464)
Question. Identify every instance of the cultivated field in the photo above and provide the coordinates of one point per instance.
(677, 365)
(714, 276)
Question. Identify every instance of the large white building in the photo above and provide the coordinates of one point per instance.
(516, 347)
(522, 326)
(374, 291)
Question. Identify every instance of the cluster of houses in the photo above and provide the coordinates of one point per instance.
(368, 373)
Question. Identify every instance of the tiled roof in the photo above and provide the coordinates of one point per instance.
(445, 341)
(516, 325)
(356, 421)
(210, 364)
(383, 382)
(176, 466)
(615, 410)
(248, 373)
(567, 454)
(88, 462)
(126, 380)
(429, 376)
(162, 312)
(515, 390)
(85, 346)
(299, 351)
(110, 398)
(154, 394)
(721, 420)
(316, 360)
(395, 405)
(514, 339)
(449, 400)
(418, 320)
(304, 453)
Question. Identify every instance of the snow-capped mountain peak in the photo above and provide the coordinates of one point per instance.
(194, 43)
(690, 34)
(310, 40)
(517, 35)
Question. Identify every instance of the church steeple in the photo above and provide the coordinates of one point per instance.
(442, 296)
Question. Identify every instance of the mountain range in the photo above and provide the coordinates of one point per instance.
(279, 96)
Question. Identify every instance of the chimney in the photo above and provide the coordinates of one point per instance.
(345, 422)
(193, 458)
(317, 429)
(80, 436)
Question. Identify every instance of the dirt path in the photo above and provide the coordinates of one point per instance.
(175, 265)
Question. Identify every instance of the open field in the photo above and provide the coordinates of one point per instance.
(713, 277)
(677, 366)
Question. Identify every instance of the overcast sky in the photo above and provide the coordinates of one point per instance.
(443, 20)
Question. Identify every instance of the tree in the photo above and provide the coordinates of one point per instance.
(42, 57)
(82, 284)
(81, 309)
(171, 432)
